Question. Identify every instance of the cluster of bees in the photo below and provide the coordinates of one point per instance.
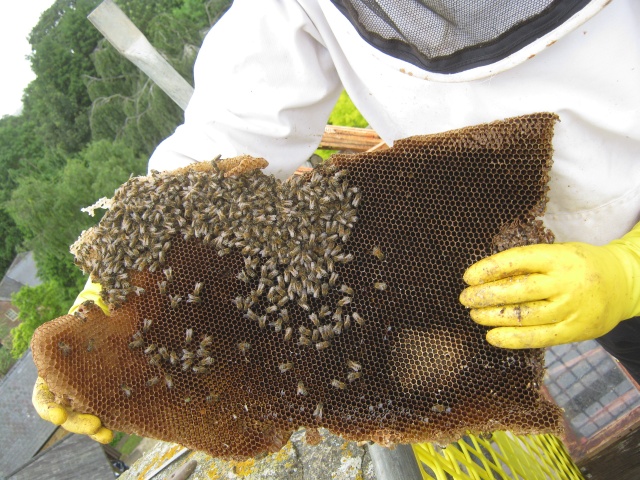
(292, 236)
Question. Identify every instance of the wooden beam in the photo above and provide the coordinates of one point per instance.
(116, 27)
(349, 138)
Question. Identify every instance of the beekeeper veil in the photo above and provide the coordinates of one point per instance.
(452, 37)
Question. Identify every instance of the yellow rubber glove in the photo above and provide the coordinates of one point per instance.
(543, 295)
(44, 401)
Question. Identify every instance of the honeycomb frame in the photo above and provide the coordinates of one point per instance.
(243, 308)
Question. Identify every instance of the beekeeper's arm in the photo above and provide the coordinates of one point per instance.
(543, 295)
(264, 86)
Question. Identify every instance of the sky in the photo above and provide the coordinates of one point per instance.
(14, 47)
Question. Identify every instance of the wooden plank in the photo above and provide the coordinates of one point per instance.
(130, 42)
(349, 138)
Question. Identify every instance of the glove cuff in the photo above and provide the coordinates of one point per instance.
(627, 252)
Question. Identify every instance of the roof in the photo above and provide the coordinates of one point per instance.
(73, 457)
(23, 271)
(22, 431)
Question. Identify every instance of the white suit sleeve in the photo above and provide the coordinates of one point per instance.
(264, 86)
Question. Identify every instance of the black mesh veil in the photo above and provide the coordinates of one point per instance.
(450, 36)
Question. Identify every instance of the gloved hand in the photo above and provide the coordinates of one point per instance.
(543, 295)
(44, 401)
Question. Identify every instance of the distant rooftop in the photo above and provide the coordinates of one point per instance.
(22, 431)
(23, 271)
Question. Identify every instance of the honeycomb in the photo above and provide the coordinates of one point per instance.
(243, 308)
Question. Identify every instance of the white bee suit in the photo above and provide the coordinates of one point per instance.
(270, 71)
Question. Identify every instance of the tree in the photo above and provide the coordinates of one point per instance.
(37, 305)
(47, 209)
(57, 100)
(10, 240)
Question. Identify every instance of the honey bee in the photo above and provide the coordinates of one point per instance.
(326, 332)
(187, 364)
(315, 335)
(175, 300)
(206, 361)
(346, 289)
(173, 358)
(288, 333)
(244, 347)
(271, 309)
(377, 252)
(380, 286)
(146, 324)
(139, 290)
(322, 345)
(126, 390)
(262, 321)
(91, 345)
(186, 354)
(304, 340)
(302, 390)
(337, 328)
(239, 301)
(206, 341)
(150, 349)
(64, 348)
(304, 331)
(277, 325)
(338, 384)
(188, 335)
(353, 365)
(324, 311)
(251, 315)
(136, 343)
(199, 369)
(344, 301)
(212, 398)
(358, 318)
(152, 381)
(318, 411)
(164, 353)
(347, 322)
(352, 376)
(285, 367)
(169, 274)
(284, 313)
(168, 380)
(155, 359)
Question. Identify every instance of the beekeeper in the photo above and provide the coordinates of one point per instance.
(269, 73)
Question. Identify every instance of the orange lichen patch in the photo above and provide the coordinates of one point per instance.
(244, 468)
(244, 308)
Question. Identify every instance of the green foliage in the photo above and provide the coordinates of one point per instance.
(47, 209)
(10, 240)
(37, 305)
(57, 100)
(117, 436)
(6, 360)
(346, 114)
(20, 150)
